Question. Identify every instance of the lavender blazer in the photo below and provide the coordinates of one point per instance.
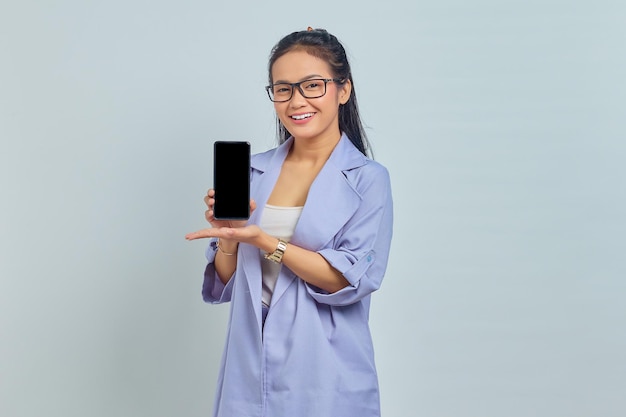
(314, 356)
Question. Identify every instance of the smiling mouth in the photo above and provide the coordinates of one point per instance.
(302, 116)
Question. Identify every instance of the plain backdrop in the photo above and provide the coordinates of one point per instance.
(502, 125)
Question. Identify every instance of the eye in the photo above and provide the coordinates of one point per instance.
(312, 84)
(281, 89)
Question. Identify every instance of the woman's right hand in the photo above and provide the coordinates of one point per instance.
(209, 214)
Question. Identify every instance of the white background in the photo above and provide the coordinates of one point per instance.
(501, 123)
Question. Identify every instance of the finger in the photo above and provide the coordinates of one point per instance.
(222, 232)
(252, 205)
(200, 234)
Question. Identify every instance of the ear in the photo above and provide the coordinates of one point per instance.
(345, 91)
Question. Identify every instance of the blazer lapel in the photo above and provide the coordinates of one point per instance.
(267, 169)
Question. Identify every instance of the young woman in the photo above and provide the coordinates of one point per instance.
(299, 273)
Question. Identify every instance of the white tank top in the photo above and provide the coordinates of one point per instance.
(279, 222)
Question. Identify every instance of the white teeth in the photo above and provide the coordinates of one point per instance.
(302, 116)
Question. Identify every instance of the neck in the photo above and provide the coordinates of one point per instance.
(313, 150)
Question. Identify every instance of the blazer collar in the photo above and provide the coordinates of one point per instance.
(345, 156)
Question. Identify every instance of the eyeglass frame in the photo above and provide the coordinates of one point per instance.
(297, 85)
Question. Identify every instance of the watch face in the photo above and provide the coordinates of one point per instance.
(282, 245)
(277, 255)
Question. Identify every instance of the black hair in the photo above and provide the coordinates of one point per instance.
(321, 44)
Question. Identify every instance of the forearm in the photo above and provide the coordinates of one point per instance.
(226, 260)
(314, 269)
(310, 266)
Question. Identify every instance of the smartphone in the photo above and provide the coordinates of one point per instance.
(231, 180)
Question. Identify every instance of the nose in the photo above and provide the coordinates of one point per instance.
(297, 99)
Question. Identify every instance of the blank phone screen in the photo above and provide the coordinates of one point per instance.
(231, 178)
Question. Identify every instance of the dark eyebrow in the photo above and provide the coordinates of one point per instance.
(308, 77)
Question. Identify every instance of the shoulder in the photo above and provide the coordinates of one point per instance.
(364, 174)
(371, 167)
(370, 177)
(260, 160)
(263, 160)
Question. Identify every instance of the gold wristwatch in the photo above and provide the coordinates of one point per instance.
(277, 255)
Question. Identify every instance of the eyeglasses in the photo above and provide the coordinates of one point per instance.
(313, 88)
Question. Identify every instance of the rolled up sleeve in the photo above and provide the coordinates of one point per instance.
(213, 289)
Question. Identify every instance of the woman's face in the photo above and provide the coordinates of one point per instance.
(309, 118)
